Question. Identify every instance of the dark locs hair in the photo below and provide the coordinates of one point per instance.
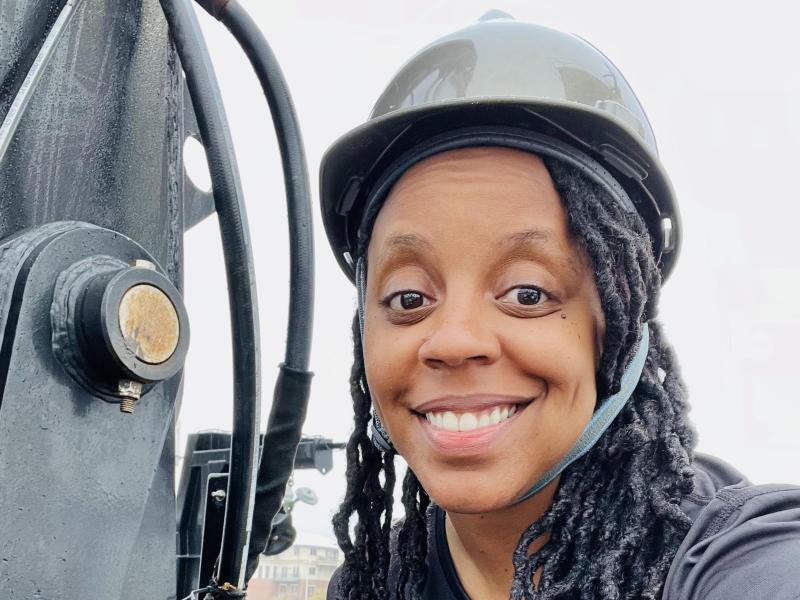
(615, 522)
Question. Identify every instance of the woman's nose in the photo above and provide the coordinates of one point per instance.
(460, 334)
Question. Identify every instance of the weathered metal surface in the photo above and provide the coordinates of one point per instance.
(101, 139)
(78, 480)
(90, 341)
(87, 507)
(23, 27)
(197, 204)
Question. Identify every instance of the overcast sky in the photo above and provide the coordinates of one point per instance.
(720, 86)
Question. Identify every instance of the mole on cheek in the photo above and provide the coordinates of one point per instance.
(563, 315)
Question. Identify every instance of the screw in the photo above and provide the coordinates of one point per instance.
(130, 391)
(219, 496)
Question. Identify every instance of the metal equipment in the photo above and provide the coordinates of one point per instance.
(95, 109)
(201, 502)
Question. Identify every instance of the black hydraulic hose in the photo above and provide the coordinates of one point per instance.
(290, 400)
(295, 174)
(228, 201)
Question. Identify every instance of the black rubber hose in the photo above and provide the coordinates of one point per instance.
(277, 456)
(290, 400)
(295, 174)
(228, 201)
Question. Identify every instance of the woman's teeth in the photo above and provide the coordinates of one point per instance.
(468, 421)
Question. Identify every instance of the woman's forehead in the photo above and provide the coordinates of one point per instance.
(471, 166)
(474, 206)
(487, 192)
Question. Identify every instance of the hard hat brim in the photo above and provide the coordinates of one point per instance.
(352, 164)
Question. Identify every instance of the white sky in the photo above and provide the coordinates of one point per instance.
(721, 87)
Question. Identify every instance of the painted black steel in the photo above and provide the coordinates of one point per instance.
(101, 138)
(85, 491)
(29, 25)
(29, 84)
(102, 331)
(213, 525)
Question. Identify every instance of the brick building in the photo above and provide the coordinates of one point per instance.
(300, 573)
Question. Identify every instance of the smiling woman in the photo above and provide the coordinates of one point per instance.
(508, 225)
(505, 326)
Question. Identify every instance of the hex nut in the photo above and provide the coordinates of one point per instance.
(130, 389)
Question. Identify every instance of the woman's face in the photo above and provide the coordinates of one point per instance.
(482, 326)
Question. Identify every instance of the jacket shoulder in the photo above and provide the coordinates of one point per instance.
(744, 541)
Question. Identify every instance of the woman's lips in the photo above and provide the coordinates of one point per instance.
(467, 443)
(469, 420)
(470, 403)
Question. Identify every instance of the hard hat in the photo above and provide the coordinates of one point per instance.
(508, 83)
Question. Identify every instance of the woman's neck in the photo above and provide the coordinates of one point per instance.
(482, 545)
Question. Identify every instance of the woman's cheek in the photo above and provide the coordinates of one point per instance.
(385, 373)
(556, 353)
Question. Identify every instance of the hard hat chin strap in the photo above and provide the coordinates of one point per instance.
(601, 419)
(597, 425)
(379, 436)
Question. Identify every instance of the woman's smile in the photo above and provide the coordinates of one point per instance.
(462, 427)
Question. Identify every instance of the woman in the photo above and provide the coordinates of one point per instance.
(508, 225)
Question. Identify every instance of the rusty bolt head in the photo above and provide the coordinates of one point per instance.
(149, 323)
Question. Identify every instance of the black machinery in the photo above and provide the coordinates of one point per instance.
(96, 100)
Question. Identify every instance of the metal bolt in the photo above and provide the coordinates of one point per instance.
(141, 263)
(130, 391)
(219, 496)
(149, 323)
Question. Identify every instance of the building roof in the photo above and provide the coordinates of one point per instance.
(308, 538)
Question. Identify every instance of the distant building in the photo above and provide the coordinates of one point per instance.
(300, 573)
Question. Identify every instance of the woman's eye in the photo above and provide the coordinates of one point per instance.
(406, 300)
(526, 295)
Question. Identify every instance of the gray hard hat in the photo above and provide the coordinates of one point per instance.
(507, 83)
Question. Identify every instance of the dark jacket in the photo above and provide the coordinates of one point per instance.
(744, 543)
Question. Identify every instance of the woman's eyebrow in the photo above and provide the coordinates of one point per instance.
(540, 243)
(400, 247)
(408, 241)
(528, 237)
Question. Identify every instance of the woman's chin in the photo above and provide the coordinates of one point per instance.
(479, 490)
(469, 500)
